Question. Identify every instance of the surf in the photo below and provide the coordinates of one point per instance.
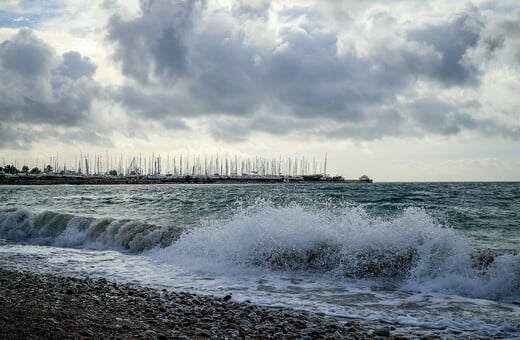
(70, 231)
(411, 251)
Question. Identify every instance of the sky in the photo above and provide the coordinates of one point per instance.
(397, 90)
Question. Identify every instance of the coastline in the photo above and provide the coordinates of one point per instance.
(100, 180)
(414, 311)
(40, 306)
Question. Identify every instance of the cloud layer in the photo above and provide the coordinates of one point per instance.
(247, 65)
(41, 90)
(361, 71)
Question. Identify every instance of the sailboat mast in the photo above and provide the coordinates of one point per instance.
(325, 165)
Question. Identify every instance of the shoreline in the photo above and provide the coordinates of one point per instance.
(60, 180)
(42, 306)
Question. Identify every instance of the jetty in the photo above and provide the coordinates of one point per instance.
(176, 168)
(53, 179)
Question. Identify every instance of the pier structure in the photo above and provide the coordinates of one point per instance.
(174, 168)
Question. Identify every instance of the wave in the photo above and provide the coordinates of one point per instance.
(66, 230)
(412, 251)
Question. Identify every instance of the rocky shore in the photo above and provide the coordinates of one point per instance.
(41, 306)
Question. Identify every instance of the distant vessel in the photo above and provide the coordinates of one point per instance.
(365, 178)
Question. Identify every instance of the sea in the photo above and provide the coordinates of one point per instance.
(428, 258)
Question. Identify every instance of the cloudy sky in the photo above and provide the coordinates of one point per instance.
(399, 90)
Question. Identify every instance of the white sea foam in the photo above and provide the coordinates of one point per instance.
(411, 251)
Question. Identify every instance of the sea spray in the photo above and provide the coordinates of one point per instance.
(412, 251)
(461, 276)
(345, 242)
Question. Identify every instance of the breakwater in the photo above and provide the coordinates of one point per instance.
(95, 180)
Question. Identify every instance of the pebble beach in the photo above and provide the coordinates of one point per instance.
(42, 306)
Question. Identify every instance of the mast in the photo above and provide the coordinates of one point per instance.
(325, 165)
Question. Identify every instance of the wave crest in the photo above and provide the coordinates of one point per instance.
(66, 230)
(412, 250)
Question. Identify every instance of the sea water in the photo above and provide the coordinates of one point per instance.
(439, 258)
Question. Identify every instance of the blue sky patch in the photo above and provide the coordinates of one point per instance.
(30, 13)
(11, 19)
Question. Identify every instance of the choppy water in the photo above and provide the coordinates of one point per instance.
(442, 256)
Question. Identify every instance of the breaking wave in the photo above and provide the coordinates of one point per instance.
(65, 230)
(412, 251)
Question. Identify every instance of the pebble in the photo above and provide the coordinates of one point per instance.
(86, 308)
(245, 323)
(147, 333)
(382, 332)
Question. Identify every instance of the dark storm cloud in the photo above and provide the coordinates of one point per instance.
(153, 104)
(452, 40)
(155, 43)
(187, 60)
(40, 89)
(306, 74)
(26, 55)
(227, 75)
(436, 116)
(67, 108)
(439, 117)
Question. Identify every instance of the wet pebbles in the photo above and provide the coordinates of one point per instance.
(47, 306)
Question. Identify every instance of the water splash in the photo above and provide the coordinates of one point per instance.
(412, 251)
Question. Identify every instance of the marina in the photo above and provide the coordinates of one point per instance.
(47, 179)
(157, 169)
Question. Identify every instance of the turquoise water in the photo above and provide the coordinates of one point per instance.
(489, 213)
(432, 255)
